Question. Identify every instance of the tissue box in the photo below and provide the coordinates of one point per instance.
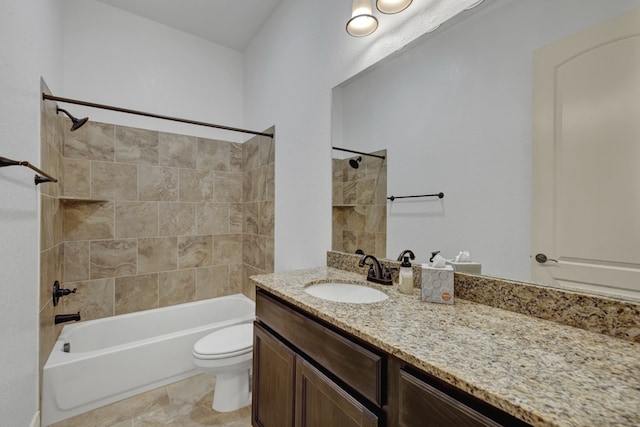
(437, 284)
(466, 267)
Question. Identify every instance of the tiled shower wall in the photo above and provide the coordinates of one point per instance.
(51, 241)
(144, 219)
(360, 205)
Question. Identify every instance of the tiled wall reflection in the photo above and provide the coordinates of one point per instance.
(143, 219)
(360, 205)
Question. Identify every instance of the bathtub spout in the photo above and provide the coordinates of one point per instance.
(62, 318)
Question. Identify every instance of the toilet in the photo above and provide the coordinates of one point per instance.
(227, 353)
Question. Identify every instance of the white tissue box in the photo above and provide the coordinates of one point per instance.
(466, 267)
(437, 284)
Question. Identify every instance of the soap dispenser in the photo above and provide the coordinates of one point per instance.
(405, 283)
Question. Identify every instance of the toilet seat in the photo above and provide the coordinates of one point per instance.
(225, 343)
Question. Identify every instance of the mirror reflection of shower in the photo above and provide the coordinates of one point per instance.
(359, 202)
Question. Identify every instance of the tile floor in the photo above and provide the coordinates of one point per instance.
(186, 403)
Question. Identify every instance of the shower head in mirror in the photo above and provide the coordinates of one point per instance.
(355, 163)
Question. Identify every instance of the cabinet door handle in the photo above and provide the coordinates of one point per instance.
(542, 258)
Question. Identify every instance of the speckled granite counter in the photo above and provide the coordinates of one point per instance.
(539, 371)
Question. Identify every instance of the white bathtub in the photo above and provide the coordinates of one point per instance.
(117, 357)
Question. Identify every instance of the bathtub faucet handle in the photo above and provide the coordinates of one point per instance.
(58, 292)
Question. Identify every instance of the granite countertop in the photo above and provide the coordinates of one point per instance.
(542, 372)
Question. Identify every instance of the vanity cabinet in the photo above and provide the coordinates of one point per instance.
(307, 373)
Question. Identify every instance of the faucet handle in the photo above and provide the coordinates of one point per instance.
(386, 271)
(371, 272)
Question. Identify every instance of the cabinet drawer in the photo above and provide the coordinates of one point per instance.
(353, 364)
(421, 404)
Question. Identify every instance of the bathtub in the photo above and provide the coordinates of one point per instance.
(117, 357)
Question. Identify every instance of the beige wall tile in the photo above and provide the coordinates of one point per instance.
(194, 251)
(157, 254)
(250, 154)
(88, 221)
(177, 150)
(235, 218)
(350, 193)
(365, 190)
(212, 282)
(227, 187)
(357, 218)
(270, 184)
(136, 293)
(236, 161)
(196, 186)
(51, 266)
(177, 219)
(269, 254)
(158, 183)
(213, 218)
(227, 249)
(114, 181)
(176, 287)
(139, 146)
(93, 141)
(76, 261)
(213, 154)
(247, 191)
(76, 178)
(49, 206)
(136, 219)
(236, 277)
(251, 218)
(93, 298)
(267, 218)
(376, 219)
(112, 258)
(258, 184)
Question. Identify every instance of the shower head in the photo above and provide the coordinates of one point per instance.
(355, 163)
(77, 123)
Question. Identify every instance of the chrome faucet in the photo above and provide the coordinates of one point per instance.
(378, 273)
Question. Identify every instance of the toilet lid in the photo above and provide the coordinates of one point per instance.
(226, 342)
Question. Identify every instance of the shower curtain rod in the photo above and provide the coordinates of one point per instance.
(156, 116)
(358, 152)
(8, 162)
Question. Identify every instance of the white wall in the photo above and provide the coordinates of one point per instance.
(31, 46)
(290, 69)
(117, 58)
(455, 113)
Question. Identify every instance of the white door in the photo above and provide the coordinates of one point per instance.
(586, 160)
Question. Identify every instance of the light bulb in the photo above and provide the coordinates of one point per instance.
(362, 22)
(392, 6)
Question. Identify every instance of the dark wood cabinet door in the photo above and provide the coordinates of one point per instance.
(322, 403)
(422, 405)
(273, 381)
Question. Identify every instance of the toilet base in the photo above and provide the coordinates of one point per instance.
(232, 391)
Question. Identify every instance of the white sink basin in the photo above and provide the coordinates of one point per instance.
(346, 292)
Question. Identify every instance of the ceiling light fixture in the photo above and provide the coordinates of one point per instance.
(362, 22)
(392, 6)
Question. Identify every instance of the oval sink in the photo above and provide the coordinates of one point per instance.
(346, 292)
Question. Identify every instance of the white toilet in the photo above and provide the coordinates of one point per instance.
(227, 353)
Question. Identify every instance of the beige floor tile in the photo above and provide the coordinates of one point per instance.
(185, 403)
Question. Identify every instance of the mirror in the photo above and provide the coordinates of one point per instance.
(454, 112)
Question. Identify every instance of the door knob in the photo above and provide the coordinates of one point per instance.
(542, 258)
